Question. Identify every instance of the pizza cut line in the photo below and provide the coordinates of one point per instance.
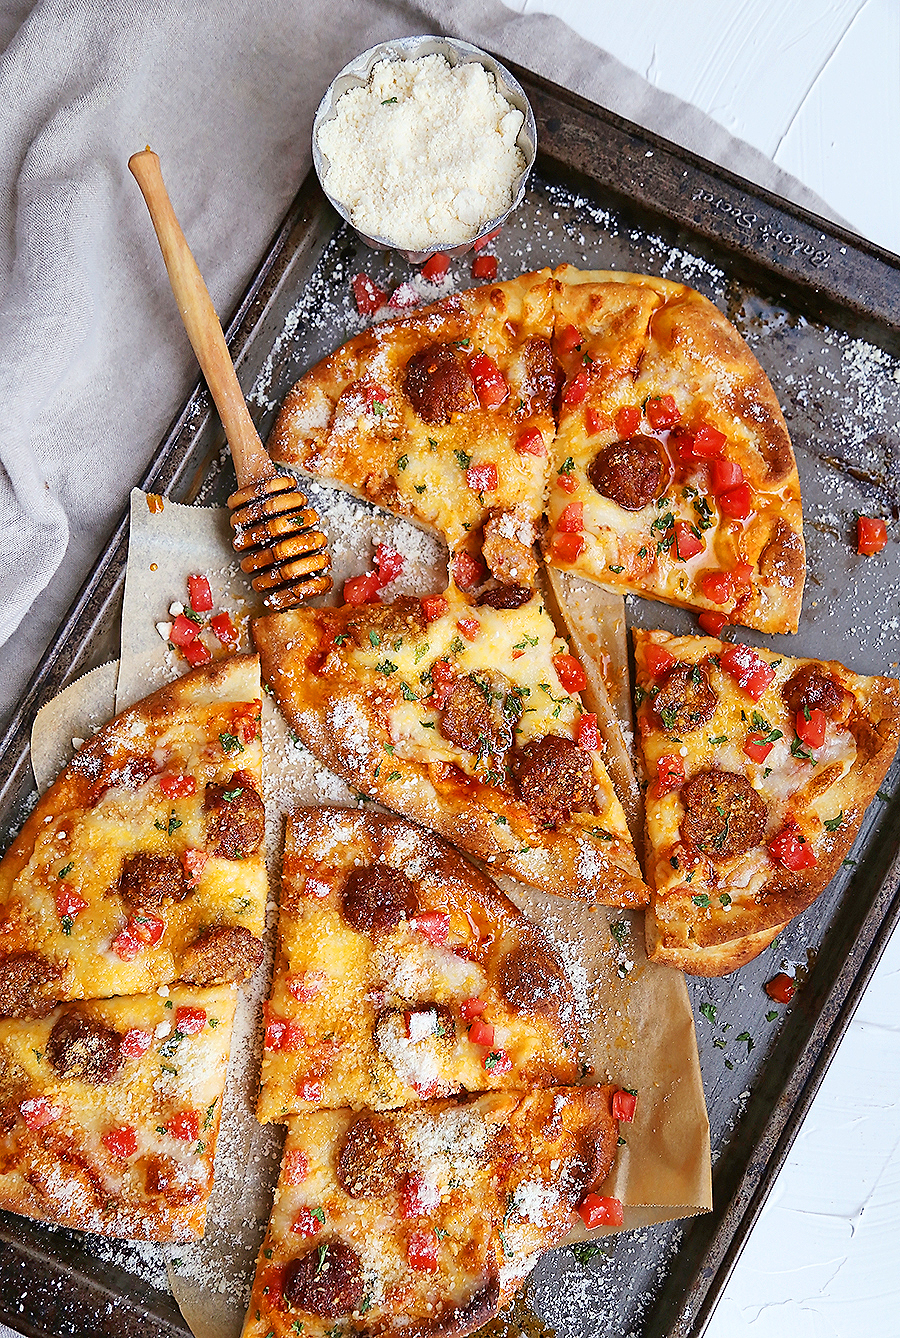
(402, 974)
(759, 769)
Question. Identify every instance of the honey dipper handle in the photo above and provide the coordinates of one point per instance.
(251, 463)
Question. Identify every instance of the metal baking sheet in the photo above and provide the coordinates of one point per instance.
(821, 309)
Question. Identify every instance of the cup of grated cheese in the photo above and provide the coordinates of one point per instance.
(424, 144)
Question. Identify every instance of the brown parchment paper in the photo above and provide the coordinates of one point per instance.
(635, 1016)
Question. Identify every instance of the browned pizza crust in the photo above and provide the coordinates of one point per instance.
(424, 1222)
(107, 852)
(391, 947)
(741, 896)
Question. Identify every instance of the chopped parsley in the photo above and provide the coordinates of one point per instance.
(704, 514)
(419, 487)
(323, 1256)
(617, 570)
(709, 1011)
(462, 459)
(883, 796)
(171, 826)
(230, 743)
(725, 899)
(457, 646)
(407, 693)
(797, 750)
(771, 1015)
(745, 1036)
(385, 667)
(402, 461)
(832, 824)
(700, 899)
(620, 929)
(386, 102)
(567, 466)
(585, 1250)
(720, 738)
(66, 869)
(526, 641)
(231, 795)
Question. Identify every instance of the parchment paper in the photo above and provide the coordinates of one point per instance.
(635, 1016)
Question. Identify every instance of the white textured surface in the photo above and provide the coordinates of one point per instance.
(816, 86)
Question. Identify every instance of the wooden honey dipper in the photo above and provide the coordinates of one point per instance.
(275, 530)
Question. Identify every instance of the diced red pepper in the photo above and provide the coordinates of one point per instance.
(416, 1198)
(294, 1167)
(222, 627)
(657, 659)
(810, 728)
(404, 297)
(183, 632)
(369, 297)
(571, 519)
(196, 653)
(627, 420)
(567, 482)
(147, 926)
(433, 925)
(531, 442)
(189, 1020)
(669, 775)
(435, 267)
(482, 242)
(791, 849)
(470, 627)
(484, 267)
(68, 902)
(422, 1251)
(389, 563)
(37, 1111)
(749, 671)
(443, 676)
(725, 474)
(120, 1143)
(309, 1089)
(283, 1034)
(708, 443)
(741, 577)
(716, 585)
(576, 390)
(780, 988)
(712, 623)
(596, 1211)
(683, 443)
(374, 396)
(489, 382)
(470, 1008)
(199, 594)
(434, 607)
(481, 1032)
(586, 731)
(482, 478)
(570, 672)
(871, 535)
(184, 1125)
(662, 412)
(737, 503)
(126, 945)
(687, 543)
(177, 786)
(568, 338)
(135, 1042)
(624, 1104)
(304, 985)
(467, 571)
(362, 589)
(757, 747)
(596, 422)
(567, 547)
(193, 862)
(498, 1061)
(307, 1223)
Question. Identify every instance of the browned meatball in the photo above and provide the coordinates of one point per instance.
(543, 375)
(630, 472)
(371, 1161)
(481, 713)
(811, 689)
(686, 699)
(220, 955)
(531, 978)
(438, 384)
(377, 898)
(237, 824)
(506, 596)
(84, 1047)
(376, 623)
(724, 816)
(555, 778)
(28, 985)
(326, 1280)
(149, 880)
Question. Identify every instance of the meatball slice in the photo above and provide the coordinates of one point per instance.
(555, 778)
(437, 384)
(724, 816)
(630, 473)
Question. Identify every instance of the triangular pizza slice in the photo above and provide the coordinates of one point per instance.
(467, 719)
(426, 1220)
(674, 475)
(444, 415)
(759, 769)
(402, 974)
(109, 1112)
(144, 862)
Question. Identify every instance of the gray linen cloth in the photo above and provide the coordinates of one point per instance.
(93, 359)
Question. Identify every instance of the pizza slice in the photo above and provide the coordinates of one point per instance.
(109, 1112)
(402, 974)
(426, 1221)
(759, 769)
(444, 415)
(674, 475)
(143, 863)
(467, 719)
